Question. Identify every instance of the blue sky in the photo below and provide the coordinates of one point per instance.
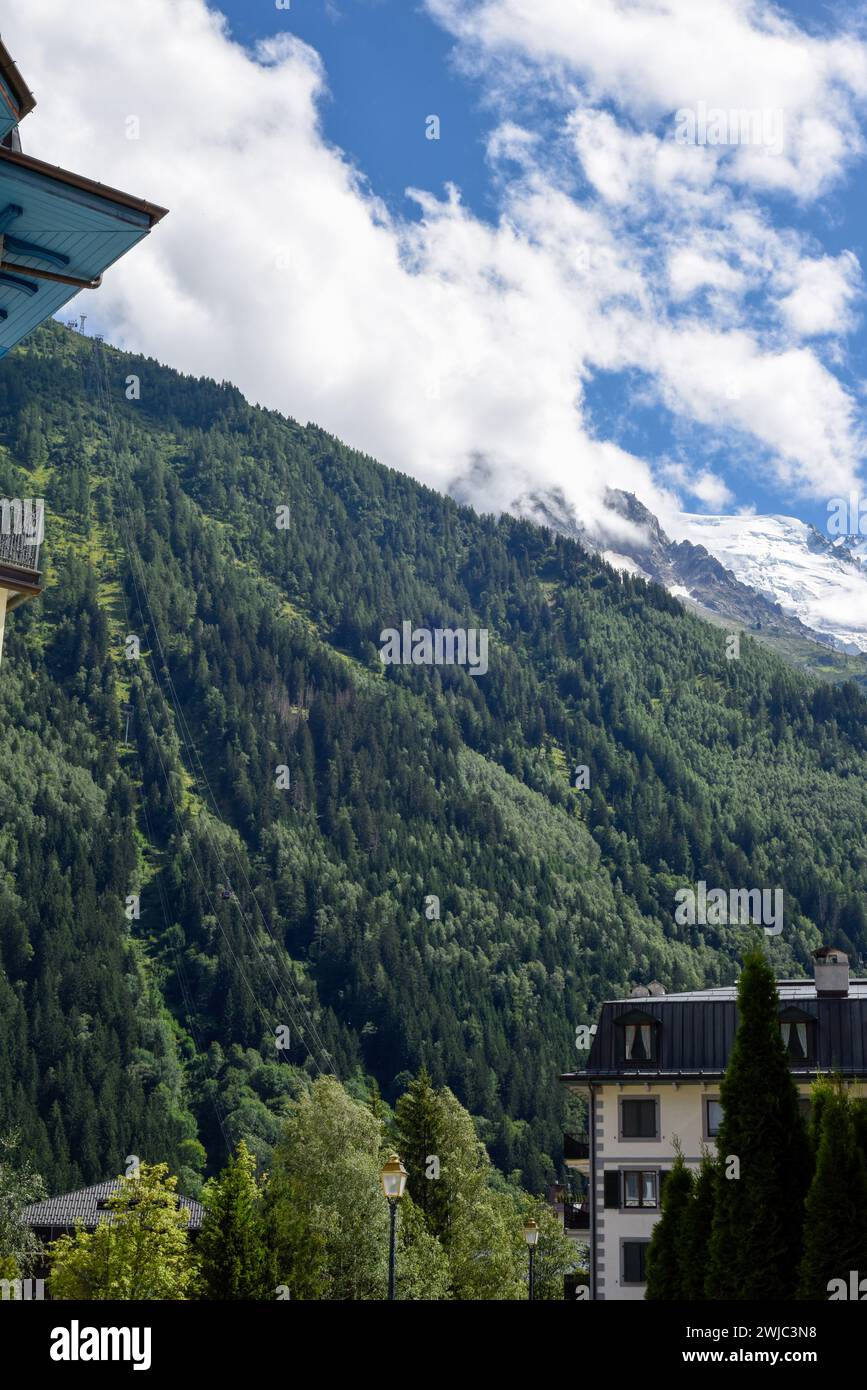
(584, 282)
(388, 68)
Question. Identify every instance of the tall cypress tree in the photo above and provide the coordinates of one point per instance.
(823, 1091)
(859, 1121)
(696, 1230)
(665, 1269)
(755, 1245)
(835, 1228)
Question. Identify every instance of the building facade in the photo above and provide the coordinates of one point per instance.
(652, 1082)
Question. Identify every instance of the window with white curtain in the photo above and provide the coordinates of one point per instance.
(639, 1188)
(638, 1042)
(796, 1040)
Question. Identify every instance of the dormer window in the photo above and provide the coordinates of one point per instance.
(798, 1031)
(637, 1038)
(638, 1042)
(796, 1041)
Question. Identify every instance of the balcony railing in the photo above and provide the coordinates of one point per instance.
(22, 527)
(574, 1148)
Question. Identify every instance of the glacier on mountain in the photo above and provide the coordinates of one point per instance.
(820, 581)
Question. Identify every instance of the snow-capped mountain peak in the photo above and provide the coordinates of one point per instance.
(772, 574)
(822, 583)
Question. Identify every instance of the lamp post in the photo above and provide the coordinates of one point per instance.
(394, 1177)
(531, 1236)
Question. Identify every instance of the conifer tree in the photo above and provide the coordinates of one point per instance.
(823, 1091)
(859, 1120)
(421, 1142)
(835, 1226)
(230, 1250)
(696, 1230)
(756, 1240)
(665, 1269)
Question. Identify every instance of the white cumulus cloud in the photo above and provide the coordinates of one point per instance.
(459, 350)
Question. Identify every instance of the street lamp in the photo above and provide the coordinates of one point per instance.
(531, 1236)
(394, 1177)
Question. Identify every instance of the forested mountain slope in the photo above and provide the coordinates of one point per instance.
(308, 906)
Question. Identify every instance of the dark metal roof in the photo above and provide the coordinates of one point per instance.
(84, 1207)
(697, 1031)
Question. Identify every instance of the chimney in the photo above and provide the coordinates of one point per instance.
(831, 969)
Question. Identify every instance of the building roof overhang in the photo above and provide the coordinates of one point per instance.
(152, 211)
(60, 232)
(19, 584)
(16, 99)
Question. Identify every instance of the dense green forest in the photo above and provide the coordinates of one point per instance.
(237, 840)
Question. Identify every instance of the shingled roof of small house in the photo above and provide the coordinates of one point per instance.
(86, 1206)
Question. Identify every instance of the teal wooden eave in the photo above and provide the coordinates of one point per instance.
(15, 98)
(8, 113)
(55, 223)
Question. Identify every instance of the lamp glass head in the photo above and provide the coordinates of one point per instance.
(394, 1177)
